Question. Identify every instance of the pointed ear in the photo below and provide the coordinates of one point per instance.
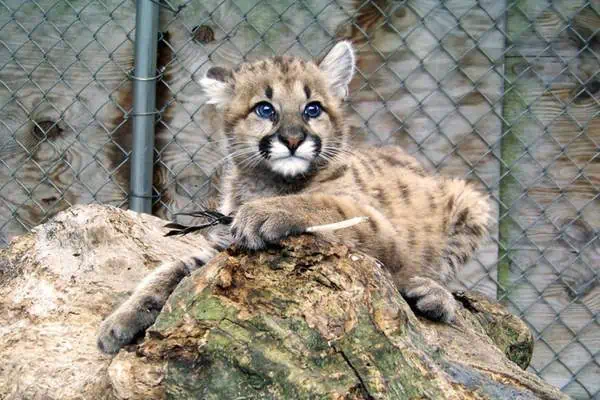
(217, 85)
(338, 67)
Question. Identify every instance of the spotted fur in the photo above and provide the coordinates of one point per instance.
(288, 171)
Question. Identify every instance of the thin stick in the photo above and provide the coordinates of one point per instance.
(347, 223)
(216, 218)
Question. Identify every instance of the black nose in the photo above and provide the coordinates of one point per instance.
(292, 139)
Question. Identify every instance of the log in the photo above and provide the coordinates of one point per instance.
(307, 319)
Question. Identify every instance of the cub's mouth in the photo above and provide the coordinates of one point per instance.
(290, 166)
(290, 155)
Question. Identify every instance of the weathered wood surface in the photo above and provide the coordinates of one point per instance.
(309, 319)
(550, 187)
(56, 285)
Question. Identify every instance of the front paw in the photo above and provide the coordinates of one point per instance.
(116, 331)
(257, 224)
(122, 326)
(430, 299)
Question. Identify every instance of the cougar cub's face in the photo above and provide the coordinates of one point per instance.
(283, 114)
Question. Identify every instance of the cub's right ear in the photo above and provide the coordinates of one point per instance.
(338, 66)
(218, 86)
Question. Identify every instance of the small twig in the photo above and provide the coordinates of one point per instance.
(167, 6)
(216, 218)
(213, 217)
(347, 223)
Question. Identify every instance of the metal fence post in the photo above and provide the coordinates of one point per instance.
(144, 106)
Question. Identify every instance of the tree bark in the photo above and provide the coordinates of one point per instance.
(308, 319)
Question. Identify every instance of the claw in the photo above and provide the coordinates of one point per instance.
(214, 217)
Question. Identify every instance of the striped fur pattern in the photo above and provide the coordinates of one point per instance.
(292, 167)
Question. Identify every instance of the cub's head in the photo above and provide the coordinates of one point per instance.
(283, 114)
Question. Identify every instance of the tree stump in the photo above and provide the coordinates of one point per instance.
(307, 319)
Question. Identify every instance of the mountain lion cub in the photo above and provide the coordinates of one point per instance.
(291, 167)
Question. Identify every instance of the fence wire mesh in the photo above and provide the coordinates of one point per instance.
(63, 66)
(505, 93)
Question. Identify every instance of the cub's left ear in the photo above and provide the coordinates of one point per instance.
(217, 84)
(338, 66)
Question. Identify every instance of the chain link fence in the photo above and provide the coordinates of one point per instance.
(64, 98)
(505, 93)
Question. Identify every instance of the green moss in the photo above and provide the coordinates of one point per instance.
(383, 368)
(218, 379)
(259, 359)
(512, 338)
(520, 353)
(211, 308)
(517, 348)
(203, 306)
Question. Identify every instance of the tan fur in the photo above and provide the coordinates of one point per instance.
(422, 227)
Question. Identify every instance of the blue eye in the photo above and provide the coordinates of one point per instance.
(312, 110)
(264, 110)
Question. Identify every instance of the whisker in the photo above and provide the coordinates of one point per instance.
(250, 161)
(234, 155)
(333, 153)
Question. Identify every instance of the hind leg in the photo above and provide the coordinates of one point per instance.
(430, 298)
(468, 216)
